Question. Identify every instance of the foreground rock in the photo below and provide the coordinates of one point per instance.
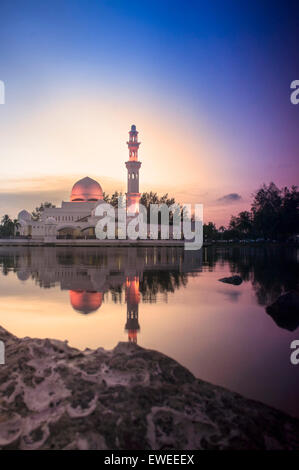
(285, 311)
(53, 396)
(236, 280)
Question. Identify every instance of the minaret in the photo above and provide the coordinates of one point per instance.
(133, 166)
(132, 299)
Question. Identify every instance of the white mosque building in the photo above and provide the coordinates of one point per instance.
(76, 218)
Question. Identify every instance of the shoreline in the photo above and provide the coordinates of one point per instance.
(137, 243)
(93, 243)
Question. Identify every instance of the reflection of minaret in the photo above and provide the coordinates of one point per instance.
(132, 299)
(133, 166)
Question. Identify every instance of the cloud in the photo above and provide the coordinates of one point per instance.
(228, 198)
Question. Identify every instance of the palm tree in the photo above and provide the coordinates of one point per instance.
(16, 225)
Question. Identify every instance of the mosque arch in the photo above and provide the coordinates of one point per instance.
(88, 231)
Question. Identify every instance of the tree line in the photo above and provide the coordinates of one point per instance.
(273, 215)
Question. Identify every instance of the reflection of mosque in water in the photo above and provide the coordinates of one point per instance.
(91, 273)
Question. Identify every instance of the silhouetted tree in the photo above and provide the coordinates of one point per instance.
(36, 215)
(241, 225)
(8, 226)
(274, 214)
(209, 231)
(275, 211)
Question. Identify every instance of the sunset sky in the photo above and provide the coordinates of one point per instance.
(206, 83)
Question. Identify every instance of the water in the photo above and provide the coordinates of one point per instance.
(166, 299)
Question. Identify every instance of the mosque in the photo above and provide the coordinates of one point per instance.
(76, 219)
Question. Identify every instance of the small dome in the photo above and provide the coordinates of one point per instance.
(24, 215)
(86, 190)
(85, 301)
(50, 220)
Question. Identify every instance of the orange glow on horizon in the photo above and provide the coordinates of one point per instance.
(86, 136)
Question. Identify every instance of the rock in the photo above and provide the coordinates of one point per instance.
(53, 396)
(236, 280)
(285, 311)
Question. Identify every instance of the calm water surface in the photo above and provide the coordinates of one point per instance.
(165, 299)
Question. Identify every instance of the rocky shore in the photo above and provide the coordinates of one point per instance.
(53, 396)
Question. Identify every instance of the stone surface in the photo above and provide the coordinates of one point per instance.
(236, 280)
(53, 396)
(285, 311)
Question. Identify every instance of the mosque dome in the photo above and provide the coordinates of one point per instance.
(85, 301)
(86, 190)
(24, 215)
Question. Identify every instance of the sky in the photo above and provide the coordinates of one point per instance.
(206, 83)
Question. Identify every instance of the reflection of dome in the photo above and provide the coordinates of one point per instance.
(50, 220)
(24, 215)
(85, 301)
(23, 275)
(86, 190)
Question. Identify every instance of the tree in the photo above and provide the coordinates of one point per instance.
(289, 216)
(8, 226)
(16, 225)
(37, 214)
(210, 231)
(221, 231)
(266, 209)
(276, 211)
(241, 225)
(106, 197)
(114, 198)
(147, 199)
